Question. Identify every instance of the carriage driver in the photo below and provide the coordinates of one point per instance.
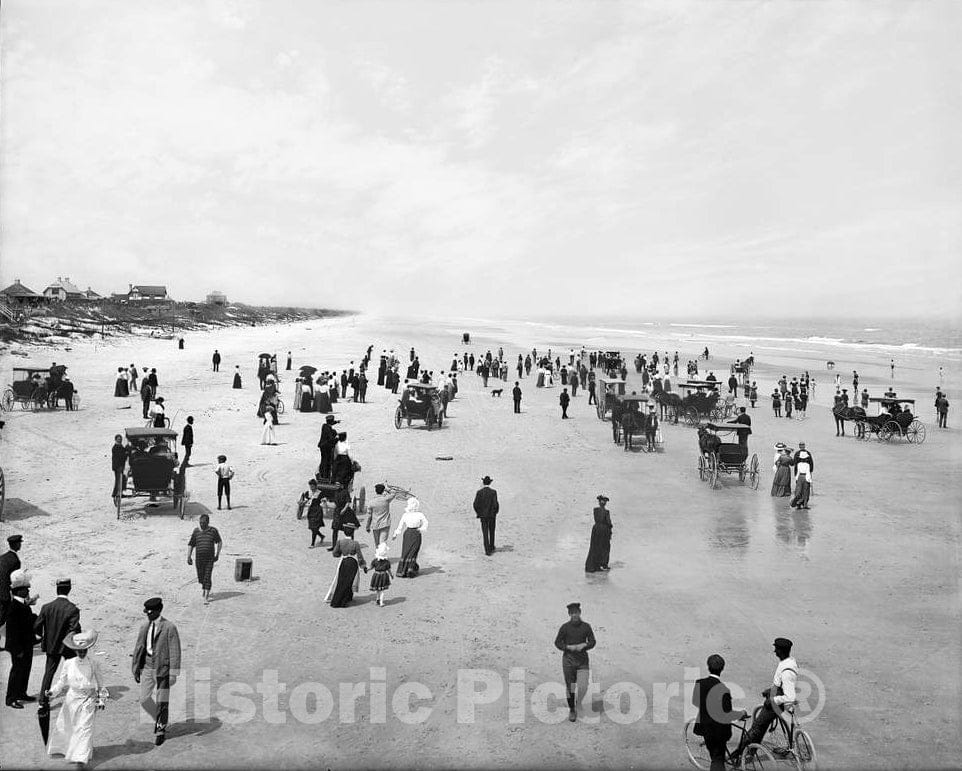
(777, 697)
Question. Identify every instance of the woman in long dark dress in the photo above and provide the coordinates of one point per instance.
(599, 550)
(412, 524)
(347, 576)
(122, 388)
(782, 482)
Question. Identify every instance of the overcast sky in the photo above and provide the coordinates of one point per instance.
(489, 158)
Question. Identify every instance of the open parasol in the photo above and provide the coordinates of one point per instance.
(307, 369)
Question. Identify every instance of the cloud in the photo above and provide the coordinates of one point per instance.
(590, 155)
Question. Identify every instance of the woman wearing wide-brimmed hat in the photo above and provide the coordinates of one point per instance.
(599, 549)
(72, 733)
(782, 482)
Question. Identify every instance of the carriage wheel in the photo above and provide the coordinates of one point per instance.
(758, 758)
(691, 416)
(695, 745)
(6, 404)
(915, 433)
(805, 750)
(716, 414)
(397, 418)
(712, 470)
(702, 472)
(280, 406)
(890, 429)
(753, 474)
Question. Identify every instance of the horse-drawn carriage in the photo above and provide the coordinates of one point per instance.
(152, 461)
(606, 388)
(35, 388)
(701, 401)
(420, 401)
(628, 416)
(893, 420)
(717, 457)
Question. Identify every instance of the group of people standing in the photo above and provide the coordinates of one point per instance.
(787, 465)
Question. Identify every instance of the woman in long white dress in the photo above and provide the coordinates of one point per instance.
(267, 434)
(72, 734)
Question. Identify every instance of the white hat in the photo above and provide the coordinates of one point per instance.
(79, 641)
(381, 551)
(19, 579)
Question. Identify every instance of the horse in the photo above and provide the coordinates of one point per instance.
(708, 443)
(841, 412)
(631, 421)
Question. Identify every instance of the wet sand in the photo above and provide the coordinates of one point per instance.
(866, 582)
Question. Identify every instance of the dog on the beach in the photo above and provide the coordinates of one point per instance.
(497, 392)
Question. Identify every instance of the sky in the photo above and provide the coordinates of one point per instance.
(494, 158)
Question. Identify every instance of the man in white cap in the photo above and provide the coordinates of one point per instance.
(20, 639)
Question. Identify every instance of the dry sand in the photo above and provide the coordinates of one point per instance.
(866, 583)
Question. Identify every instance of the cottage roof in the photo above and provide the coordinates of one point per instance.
(66, 285)
(150, 289)
(16, 289)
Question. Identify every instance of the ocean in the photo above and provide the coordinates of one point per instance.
(821, 336)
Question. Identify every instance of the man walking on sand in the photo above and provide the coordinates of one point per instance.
(591, 391)
(574, 640)
(564, 400)
(215, 359)
(516, 395)
(188, 440)
(379, 514)
(57, 619)
(156, 665)
(486, 508)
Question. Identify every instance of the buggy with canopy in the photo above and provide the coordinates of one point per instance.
(718, 457)
(152, 460)
(420, 401)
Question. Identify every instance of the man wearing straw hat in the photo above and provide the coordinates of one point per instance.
(156, 665)
(20, 639)
(57, 620)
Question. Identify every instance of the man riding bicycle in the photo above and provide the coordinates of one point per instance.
(777, 697)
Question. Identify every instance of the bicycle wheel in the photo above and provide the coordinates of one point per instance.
(695, 746)
(776, 738)
(805, 750)
(758, 758)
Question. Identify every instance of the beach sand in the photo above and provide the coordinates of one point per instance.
(866, 582)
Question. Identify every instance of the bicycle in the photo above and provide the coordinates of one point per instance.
(783, 743)
(787, 741)
(759, 758)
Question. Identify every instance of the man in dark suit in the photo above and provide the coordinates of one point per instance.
(486, 508)
(20, 639)
(326, 445)
(57, 619)
(564, 400)
(188, 440)
(714, 702)
(516, 395)
(156, 665)
(9, 562)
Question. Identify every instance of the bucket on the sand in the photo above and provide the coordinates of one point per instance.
(243, 568)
